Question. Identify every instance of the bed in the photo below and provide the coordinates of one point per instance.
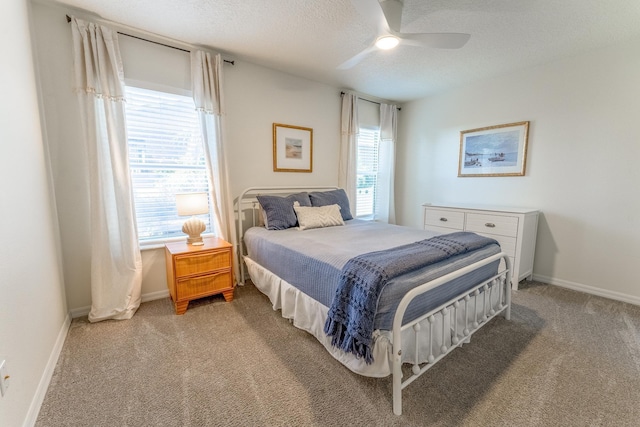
(307, 270)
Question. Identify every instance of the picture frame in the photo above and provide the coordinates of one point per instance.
(499, 150)
(292, 148)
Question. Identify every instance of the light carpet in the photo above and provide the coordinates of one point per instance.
(565, 359)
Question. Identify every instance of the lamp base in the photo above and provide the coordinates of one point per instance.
(193, 227)
(195, 240)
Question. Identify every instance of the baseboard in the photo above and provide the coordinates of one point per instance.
(45, 380)
(618, 296)
(151, 296)
(79, 312)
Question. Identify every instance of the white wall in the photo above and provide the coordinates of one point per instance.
(582, 168)
(255, 97)
(33, 319)
(64, 135)
(581, 173)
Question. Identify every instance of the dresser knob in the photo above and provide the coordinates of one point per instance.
(443, 219)
(490, 225)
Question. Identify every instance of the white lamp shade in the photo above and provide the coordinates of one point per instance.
(192, 204)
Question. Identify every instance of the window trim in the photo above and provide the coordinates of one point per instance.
(376, 130)
(158, 87)
(147, 245)
(157, 243)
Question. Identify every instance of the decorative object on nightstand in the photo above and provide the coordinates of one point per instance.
(191, 204)
(198, 271)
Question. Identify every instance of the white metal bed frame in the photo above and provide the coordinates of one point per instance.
(460, 304)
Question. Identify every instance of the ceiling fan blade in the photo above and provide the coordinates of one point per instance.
(372, 12)
(354, 60)
(392, 10)
(436, 40)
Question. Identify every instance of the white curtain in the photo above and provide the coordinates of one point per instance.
(385, 206)
(116, 265)
(347, 170)
(207, 79)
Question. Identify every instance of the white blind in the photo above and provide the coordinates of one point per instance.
(166, 158)
(367, 171)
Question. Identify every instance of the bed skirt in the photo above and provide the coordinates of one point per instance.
(310, 315)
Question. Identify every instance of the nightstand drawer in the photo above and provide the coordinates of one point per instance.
(203, 285)
(493, 224)
(190, 264)
(443, 218)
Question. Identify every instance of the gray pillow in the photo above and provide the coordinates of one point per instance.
(279, 210)
(332, 197)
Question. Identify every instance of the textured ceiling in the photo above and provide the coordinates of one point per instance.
(310, 38)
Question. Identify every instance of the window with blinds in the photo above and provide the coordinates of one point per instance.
(367, 172)
(166, 157)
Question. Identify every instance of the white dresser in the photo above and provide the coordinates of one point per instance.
(514, 228)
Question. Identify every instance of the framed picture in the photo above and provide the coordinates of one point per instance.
(292, 148)
(494, 151)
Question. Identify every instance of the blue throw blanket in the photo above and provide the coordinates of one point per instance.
(350, 319)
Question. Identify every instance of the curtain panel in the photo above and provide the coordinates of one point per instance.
(207, 80)
(384, 206)
(116, 263)
(348, 167)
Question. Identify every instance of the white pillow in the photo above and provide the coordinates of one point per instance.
(318, 217)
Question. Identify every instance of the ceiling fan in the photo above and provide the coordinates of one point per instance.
(385, 17)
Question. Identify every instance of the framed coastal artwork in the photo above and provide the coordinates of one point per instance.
(499, 150)
(292, 148)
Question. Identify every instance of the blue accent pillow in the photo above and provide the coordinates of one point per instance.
(279, 210)
(332, 197)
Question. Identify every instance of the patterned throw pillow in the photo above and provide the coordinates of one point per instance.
(279, 210)
(318, 217)
(333, 197)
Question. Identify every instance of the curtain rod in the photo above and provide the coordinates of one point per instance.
(368, 100)
(158, 43)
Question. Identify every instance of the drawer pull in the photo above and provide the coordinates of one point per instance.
(443, 219)
(490, 225)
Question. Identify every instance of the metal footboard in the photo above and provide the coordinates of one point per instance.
(483, 294)
(477, 300)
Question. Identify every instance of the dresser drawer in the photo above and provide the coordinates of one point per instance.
(444, 218)
(187, 265)
(492, 224)
(440, 230)
(514, 228)
(507, 244)
(203, 285)
(502, 266)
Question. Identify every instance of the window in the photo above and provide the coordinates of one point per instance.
(166, 157)
(367, 172)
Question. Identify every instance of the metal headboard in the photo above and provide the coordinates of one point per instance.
(247, 201)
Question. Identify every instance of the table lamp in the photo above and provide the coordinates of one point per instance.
(191, 204)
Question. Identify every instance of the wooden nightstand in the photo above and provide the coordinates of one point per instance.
(198, 271)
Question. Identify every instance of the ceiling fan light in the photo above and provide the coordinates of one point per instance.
(387, 42)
